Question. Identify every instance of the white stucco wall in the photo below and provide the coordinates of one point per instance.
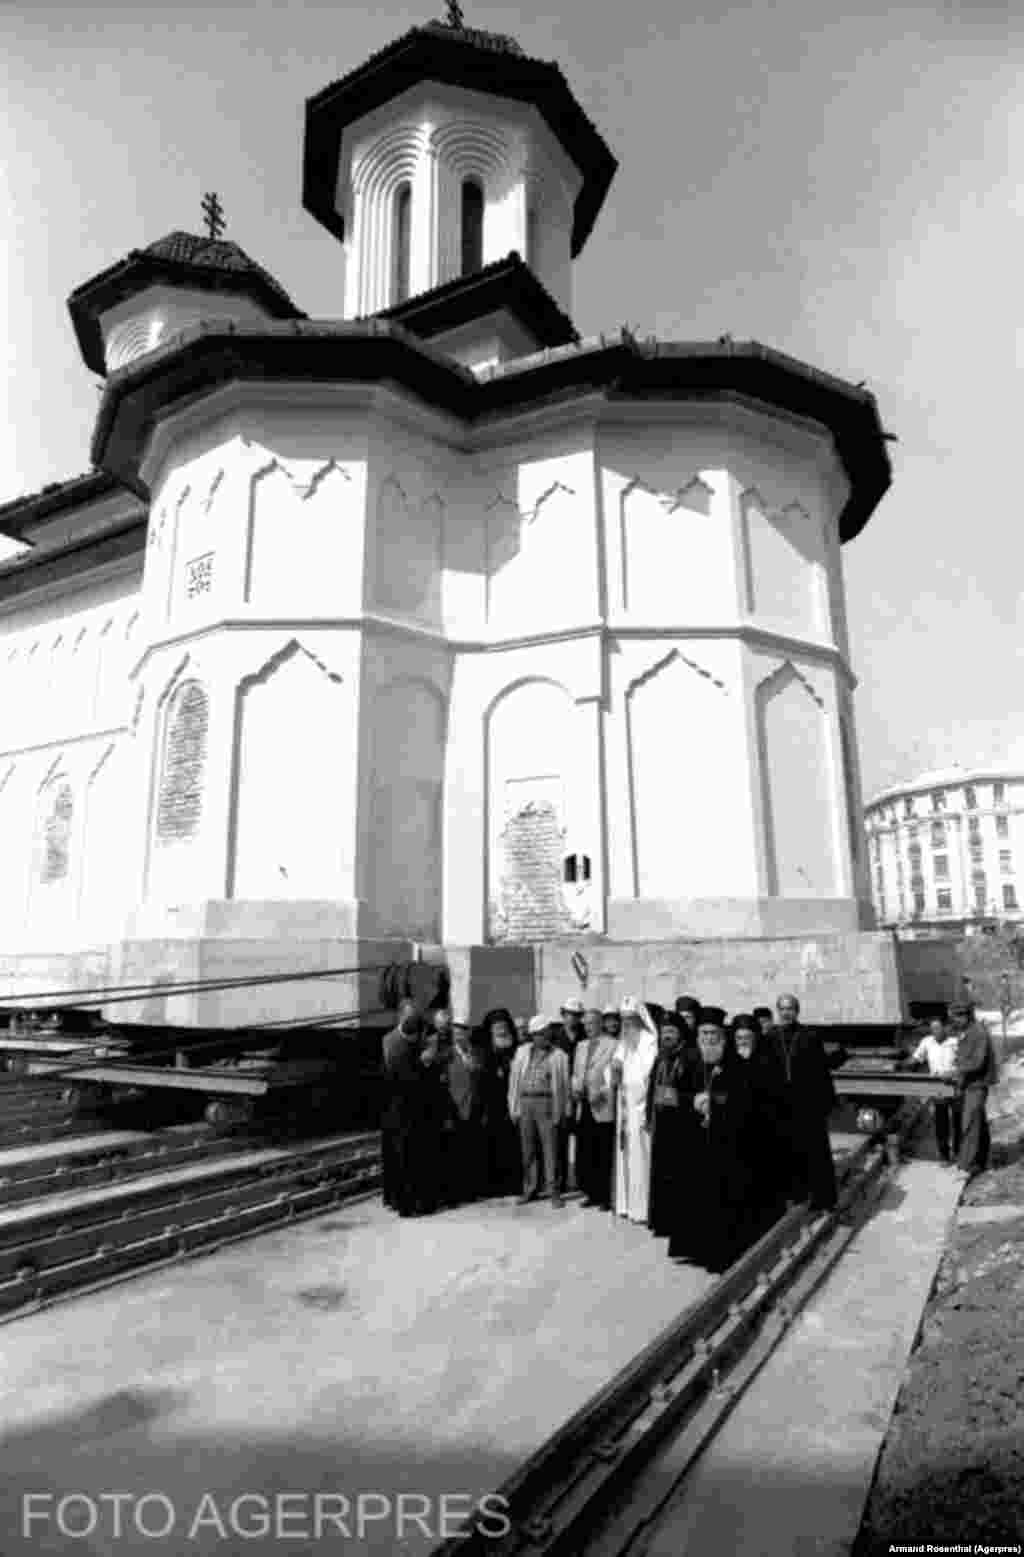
(408, 637)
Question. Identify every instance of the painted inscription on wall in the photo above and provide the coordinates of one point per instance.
(181, 782)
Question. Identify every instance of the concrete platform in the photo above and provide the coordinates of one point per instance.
(791, 1469)
(354, 1354)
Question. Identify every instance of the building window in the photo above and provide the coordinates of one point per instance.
(938, 799)
(999, 793)
(974, 826)
(977, 853)
(1006, 862)
(938, 835)
(945, 900)
(912, 830)
(914, 855)
(1009, 895)
(942, 867)
(184, 759)
(970, 797)
(402, 235)
(1002, 827)
(918, 902)
(980, 897)
(908, 806)
(472, 226)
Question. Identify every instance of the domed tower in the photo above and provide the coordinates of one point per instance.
(462, 178)
(153, 293)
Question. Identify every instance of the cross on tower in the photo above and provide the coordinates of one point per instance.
(213, 211)
(455, 17)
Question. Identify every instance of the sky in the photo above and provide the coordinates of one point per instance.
(840, 186)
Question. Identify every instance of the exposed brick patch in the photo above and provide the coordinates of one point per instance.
(181, 782)
(530, 903)
(57, 835)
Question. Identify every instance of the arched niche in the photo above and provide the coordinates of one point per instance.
(290, 816)
(407, 551)
(297, 537)
(674, 553)
(534, 763)
(683, 768)
(785, 555)
(533, 559)
(404, 839)
(798, 787)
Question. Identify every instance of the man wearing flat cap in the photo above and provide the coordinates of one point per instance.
(539, 1100)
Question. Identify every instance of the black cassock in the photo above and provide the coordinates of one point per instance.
(504, 1158)
(665, 1103)
(811, 1097)
(770, 1135)
(713, 1222)
(398, 1121)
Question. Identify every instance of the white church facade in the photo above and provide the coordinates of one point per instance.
(436, 625)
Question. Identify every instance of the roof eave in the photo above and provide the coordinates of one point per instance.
(378, 351)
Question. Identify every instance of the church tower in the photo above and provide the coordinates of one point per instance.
(443, 157)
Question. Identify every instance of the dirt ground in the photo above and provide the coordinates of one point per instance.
(951, 1470)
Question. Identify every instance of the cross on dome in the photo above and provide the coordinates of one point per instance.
(213, 213)
(454, 18)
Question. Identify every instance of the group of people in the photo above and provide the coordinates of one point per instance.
(702, 1129)
(960, 1051)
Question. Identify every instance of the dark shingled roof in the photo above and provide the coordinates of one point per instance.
(182, 259)
(22, 513)
(620, 370)
(507, 284)
(479, 61)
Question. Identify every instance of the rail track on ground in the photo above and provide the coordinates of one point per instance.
(588, 1490)
(59, 1246)
(105, 1156)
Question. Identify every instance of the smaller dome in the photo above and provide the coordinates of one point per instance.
(171, 280)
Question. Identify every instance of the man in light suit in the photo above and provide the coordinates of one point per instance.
(594, 1102)
(539, 1100)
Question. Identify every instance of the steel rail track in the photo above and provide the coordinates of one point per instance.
(97, 1161)
(62, 1251)
(573, 1495)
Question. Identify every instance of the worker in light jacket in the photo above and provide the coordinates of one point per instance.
(540, 1101)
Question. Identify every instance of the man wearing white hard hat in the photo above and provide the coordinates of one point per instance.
(539, 1100)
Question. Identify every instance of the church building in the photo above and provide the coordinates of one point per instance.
(434, 626)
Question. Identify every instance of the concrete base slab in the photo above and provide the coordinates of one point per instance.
(355, 1354)
(792, 1467)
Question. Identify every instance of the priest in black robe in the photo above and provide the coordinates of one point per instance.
(711, 1225)
(663, 1110)
(811, 1097)
(769, 1124)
